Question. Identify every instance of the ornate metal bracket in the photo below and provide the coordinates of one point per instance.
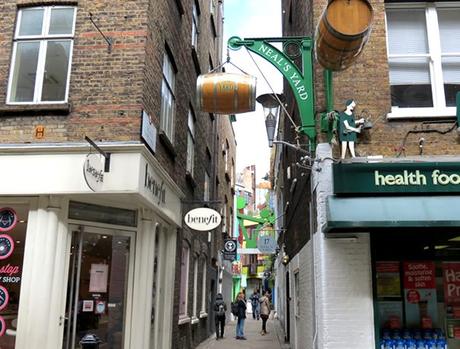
(301, 82)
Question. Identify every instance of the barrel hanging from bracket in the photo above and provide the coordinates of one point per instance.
(342, 32)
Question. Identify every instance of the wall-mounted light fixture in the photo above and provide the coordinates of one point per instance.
(271, 105)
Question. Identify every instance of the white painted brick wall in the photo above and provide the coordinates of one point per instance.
(344, 305)
(302, 324)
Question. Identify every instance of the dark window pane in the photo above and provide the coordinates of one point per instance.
(56, 68)
(31, 22)
(450, 91)
(411, 96)
(24, 72)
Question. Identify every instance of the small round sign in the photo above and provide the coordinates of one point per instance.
(230, 246)
(202, 219)
(8, 219)
(6, 246)
(4, 297)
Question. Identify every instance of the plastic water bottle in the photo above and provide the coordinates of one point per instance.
(388, 344)
(441, 343)
(411, 343)
(430, 344)
(399, 344)
(420, 344)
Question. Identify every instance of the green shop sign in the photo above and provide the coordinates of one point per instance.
(396, 178)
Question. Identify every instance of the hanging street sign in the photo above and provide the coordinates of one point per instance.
(202, 219)
(230, 247)
(266, 244)
(93, 171)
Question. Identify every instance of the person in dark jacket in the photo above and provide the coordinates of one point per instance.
(220, 308)
(241, 316)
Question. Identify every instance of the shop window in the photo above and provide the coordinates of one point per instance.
(424, 58)
(417, 289)
(168, 98)
(184, 273)
(13, 228)
(42, 55)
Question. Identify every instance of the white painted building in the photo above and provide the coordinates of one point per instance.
(79, 252)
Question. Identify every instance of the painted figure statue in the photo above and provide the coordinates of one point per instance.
(348, 128)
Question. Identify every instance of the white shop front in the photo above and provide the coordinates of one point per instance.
(76, 260)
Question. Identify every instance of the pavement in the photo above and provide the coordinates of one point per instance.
(274, 339)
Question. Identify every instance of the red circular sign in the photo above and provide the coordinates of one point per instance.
(413, 296)
(4, 297)
(8, 219)
(6, 246)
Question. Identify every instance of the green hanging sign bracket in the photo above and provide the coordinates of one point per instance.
(301, 81)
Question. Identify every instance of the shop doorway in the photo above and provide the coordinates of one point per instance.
(100, 269)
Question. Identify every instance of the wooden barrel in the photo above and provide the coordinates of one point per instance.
(226, 93)
(342, 32)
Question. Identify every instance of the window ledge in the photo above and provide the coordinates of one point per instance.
(421, 113)
(203, 314)
(195, 320)
(34, 109)
(164, 139)
(184, 319)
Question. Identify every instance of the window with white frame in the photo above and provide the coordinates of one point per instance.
(195, 287)
(195, 25)
(207, 186)
(424, 58)
(168, 99)
(184, 272)
(203, 290)
(42, 55)
(190, 142)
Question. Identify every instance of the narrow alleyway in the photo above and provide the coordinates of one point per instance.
(274, 339)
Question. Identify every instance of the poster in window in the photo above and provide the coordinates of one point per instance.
(388, 279)
(420, 294)
(98, 278)
(391, 314)
(88, 306)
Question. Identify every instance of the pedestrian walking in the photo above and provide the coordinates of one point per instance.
(264, 311)
(255, 302)
(220, 308)
(241, 314)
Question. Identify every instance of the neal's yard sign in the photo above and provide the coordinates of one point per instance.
(202, 219)
(396, 178)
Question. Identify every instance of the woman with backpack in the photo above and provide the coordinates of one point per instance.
(220, 308)
(264, 311)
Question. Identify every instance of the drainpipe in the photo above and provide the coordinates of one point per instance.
(328, 90)
(326, 123)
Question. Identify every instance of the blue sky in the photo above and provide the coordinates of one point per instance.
(246, 19)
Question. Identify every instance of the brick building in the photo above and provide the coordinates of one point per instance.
(357, 231)
(93, 238)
